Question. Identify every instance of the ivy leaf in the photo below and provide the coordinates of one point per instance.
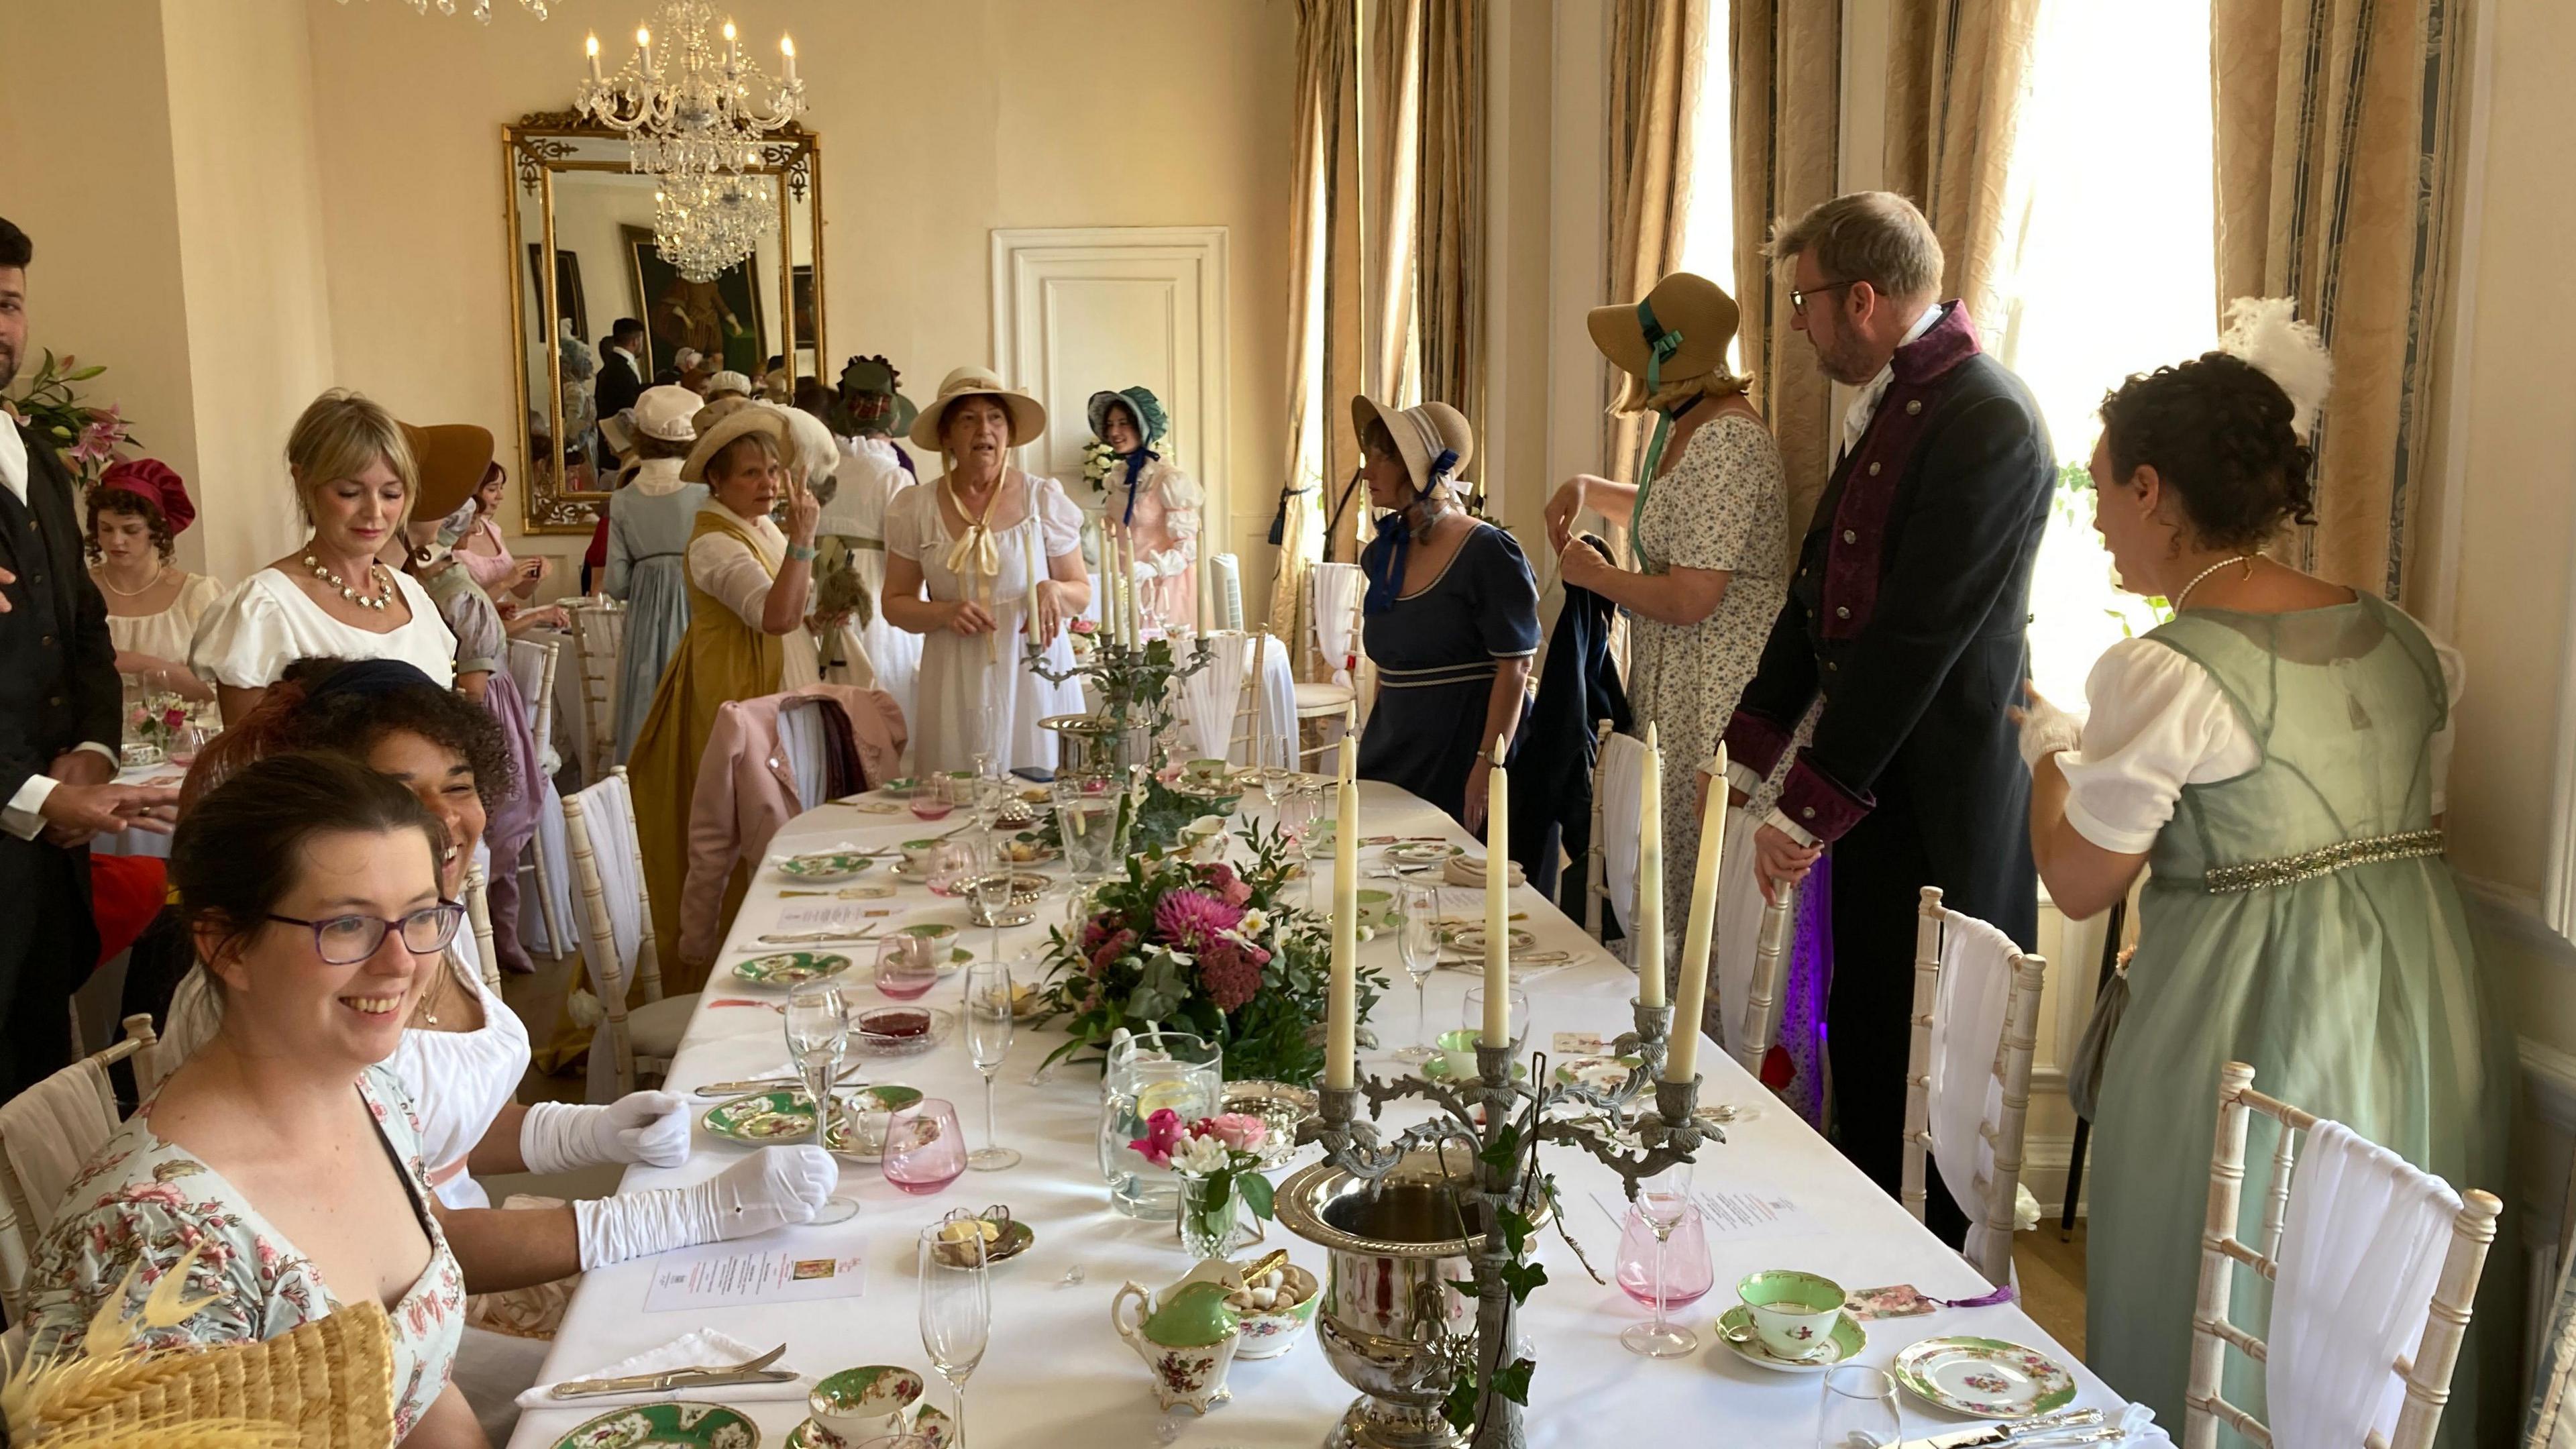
(1500, 1153)
(1513, 1383)
(1256, 1192)
(1460, 1407)
(1523, 1279)
(1516, 1230)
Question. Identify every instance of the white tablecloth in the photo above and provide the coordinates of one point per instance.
(1057, 1376)
(140, 842)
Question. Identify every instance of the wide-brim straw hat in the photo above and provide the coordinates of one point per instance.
(450, 460)
(1421, 434)
(1685, 303)
(751, 417)
(1028, 415)
(328, 1383)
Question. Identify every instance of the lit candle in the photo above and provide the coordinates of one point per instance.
(787, 48)
(733, 47)
(591, 44)
(1498, 901)
(1341, 1031)
(1649, 914)
(644, 46)
(1681, 1061)
(1035, 568)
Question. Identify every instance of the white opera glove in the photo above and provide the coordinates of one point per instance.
(775, 1187)
(647, 1127)
(2046, 729)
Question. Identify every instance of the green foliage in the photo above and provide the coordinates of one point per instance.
(1157, 822)
(86, 436)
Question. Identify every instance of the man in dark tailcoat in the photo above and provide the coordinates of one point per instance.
(59, 703)
(1906, 621)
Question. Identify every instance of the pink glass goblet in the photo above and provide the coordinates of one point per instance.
(908, 966)
(924, 1149)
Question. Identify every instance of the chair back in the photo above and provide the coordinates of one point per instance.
(1757, 1026)
(598, 633)
(1233, 709)
(1225, 578)
(532, 665)
(2402, 1249)
(617, 938)
(1339, 589)
(478, 914)
(1618, 762)
(804, 741)
(1967, 1080)
(47, 1133)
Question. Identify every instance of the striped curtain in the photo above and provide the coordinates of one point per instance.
(1656, 52)
(2335, 159)
(1449, 254)
(1957, 73)
(1323, 297)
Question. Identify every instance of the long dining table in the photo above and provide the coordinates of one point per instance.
(1056, 1374)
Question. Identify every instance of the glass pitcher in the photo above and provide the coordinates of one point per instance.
(1149, 1071)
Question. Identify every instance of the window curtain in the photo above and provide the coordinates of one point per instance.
(2334, 170)
(1449, 252)
(1655, 56)
(1390, 125)
(1323, 299)
(1957, 73)
(1786, 57)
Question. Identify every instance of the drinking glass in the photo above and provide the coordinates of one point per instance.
(1517, 1014)
(956, 1309)
(1419, 939)
(1086, 814)
(925, 1151)
(994, 879)
(1147, 1072)
(1687, 1275)
(818, 1031)
(933, 798)
(1859, 1409)
(1663, 1200)
(907, 966)
(988, 1041)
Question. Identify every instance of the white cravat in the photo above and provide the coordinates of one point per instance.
(13, 459)
(1864, 404)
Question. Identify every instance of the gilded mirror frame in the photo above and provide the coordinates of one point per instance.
(546, 144)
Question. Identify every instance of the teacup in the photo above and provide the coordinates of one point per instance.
(936, 934)
(916, 853)
(857, 1405)
(1206, 772)
(1793, 1312)
(1458, 1053)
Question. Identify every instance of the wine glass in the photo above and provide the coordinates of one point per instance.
(956, 1308)
(1663, 1200)
(1516, 1015)
(1687, 1273)
(988, 1041)
(994, 878)
(1419, 939)
(925, 1149)
(818, 1031)
(907, 966)
(987, 792)
(1859, 1409)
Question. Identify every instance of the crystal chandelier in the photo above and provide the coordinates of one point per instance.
(694, 116)
(482, 8)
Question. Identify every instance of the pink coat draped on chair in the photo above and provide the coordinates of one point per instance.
(747, 789)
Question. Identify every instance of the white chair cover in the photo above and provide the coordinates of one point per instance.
(1967, 1099)
(556, 845)
(1738, 934)
(608, 812)
(528, 668)
(804, 742)
(2361, 1253)
(1225, 581)
(1623, 761)
(1338, 587)
(51, 1128)
(1209, 698)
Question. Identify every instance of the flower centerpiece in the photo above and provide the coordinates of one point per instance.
(87, 437)
(1099, 460)
(1219, 1167)
(152, 726)
(1209, 949)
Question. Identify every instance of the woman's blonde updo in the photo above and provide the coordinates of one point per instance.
(1672, 397)
(341, 435)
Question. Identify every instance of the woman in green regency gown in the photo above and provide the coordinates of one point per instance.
(2276, 717)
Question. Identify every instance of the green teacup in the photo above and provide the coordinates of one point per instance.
(916, 853)
(1458, 1053)
(861, 1404)
(1793, 1312)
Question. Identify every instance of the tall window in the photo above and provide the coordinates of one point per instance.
(2111, 270)
(1708, 215)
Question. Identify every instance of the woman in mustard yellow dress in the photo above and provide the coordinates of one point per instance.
(749, 595)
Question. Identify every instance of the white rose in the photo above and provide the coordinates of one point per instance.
(1201, 1155)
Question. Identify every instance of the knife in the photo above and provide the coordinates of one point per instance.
(2005, 1435)
(753, 1371)
(770, 1084)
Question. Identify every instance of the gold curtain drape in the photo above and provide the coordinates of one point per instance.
(1786, 59)
(2335, 159)
(1323, 292)
(1657, 49)
(1957, 73)
(1390, 119)
(1449, 250)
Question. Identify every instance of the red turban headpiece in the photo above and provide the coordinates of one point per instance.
(151, 478)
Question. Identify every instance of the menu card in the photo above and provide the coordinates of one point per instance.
(723, 1277)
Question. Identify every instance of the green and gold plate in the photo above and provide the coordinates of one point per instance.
(682, 1424)
(787, 1115)
(1984, 1378)
(929, 1422)
(825, 865)
(791, 968)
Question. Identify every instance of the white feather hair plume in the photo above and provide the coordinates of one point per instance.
(2266, 334)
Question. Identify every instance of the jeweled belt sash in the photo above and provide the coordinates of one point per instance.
(2325, 860)
(1437, 674)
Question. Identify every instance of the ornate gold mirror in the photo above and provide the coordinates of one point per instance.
(573, 197)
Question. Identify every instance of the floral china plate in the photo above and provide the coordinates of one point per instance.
(682, 1424)
(1470, 940)
(1027, 849)
(928, 1422)
(1984, 1378)
(1600, 1073)
(825, 865)
(787, 1115)
(1422, 852)
(1736, 1328)
(791, 968)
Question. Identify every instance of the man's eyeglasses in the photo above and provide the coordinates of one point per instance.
(347, 940)
(1798, 298)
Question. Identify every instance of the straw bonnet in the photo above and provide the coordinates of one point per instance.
(728, 381)
(749, 418)
(667, 413)
(1028, 415)
(617, 430)
(1691, 310)
(452, 460)
(1421, 434)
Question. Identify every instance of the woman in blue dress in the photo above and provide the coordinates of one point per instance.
(1451, 618)
(648, 538)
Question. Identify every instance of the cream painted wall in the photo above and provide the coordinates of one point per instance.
(85, 169)
(938, 123)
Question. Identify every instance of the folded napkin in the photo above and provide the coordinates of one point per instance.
(702, 1348)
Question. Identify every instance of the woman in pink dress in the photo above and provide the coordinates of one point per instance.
(1151, 505)
(486, 555)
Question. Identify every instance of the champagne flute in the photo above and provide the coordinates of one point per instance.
(818, 1031)
(1419, 939)
(956, 1308)
(1663, 1200)
(988, 1041)
(1859, 1409)
(994, 878)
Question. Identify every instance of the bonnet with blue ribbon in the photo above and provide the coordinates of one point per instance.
(1396, 527)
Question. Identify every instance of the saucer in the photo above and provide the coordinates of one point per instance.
(930, 1423)
(1849, 1339)
(1984, 1378)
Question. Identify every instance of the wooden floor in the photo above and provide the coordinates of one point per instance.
(2052, 1281)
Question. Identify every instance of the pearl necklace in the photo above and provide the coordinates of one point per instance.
(384, 585)
(158, 573)
(2184, 597)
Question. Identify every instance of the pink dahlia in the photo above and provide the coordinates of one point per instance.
(1233, 889)
(1193, 918)
(1231, 973)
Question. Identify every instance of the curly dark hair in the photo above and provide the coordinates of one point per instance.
(352, 724)
(2217, 431)
(121, 500)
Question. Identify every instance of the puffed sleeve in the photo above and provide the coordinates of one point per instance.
(2158, 722)
(84, 1257)
(242, 641)
(903, 524)
(725, 567)
(1731, 513)
(199, 594)
(1506, 596)
(1059, 519)
(477, 627)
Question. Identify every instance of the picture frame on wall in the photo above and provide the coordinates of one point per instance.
(721, 318)
(569, 301)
